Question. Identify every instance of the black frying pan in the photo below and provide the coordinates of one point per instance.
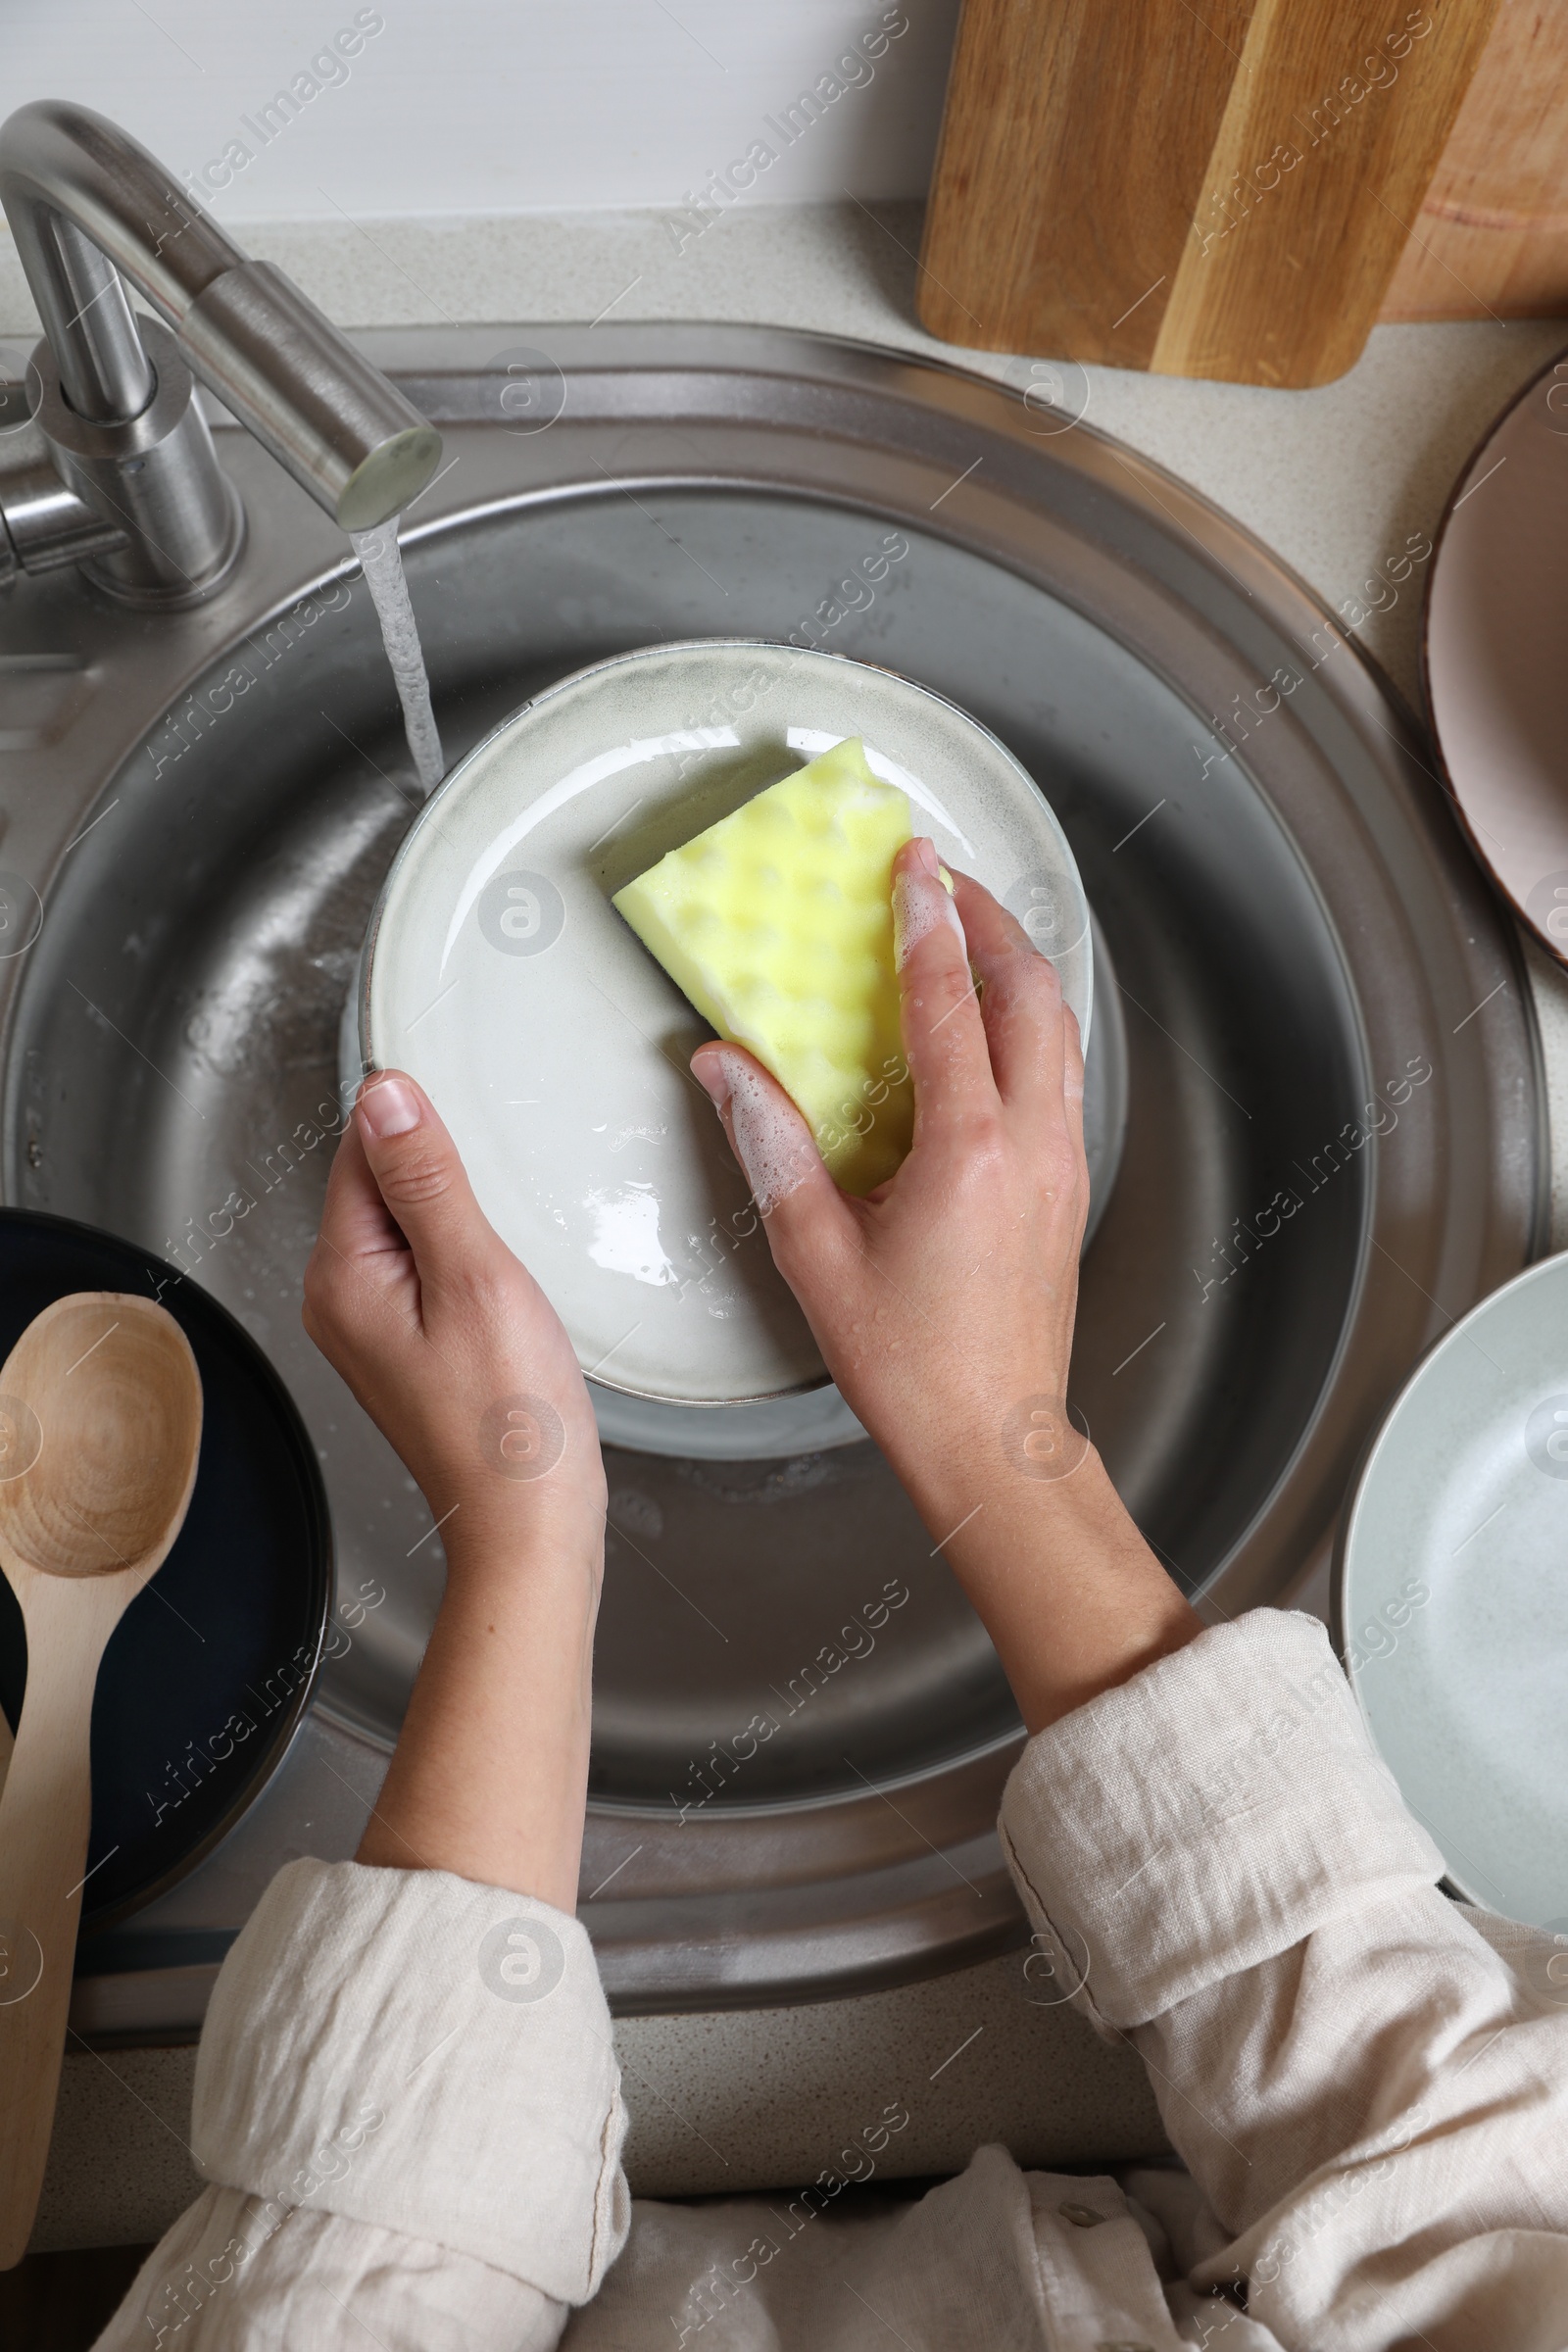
(209, 1671)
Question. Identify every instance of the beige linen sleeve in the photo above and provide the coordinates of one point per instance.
(408, 2102)
(1369, 2083)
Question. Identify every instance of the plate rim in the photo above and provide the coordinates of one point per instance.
(1541, 1269)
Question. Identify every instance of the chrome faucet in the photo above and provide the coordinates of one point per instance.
(126, 480)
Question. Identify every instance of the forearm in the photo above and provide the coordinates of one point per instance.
(944, 1301)
(1072, 1596)
(490, 1776)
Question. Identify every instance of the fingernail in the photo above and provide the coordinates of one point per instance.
(714, 1078)
(388, 1106)
(925, 854)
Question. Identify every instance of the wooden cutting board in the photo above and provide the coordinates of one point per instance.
(1491, 238)
(1199, 187)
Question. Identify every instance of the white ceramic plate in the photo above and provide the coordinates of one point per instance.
(1452, 1596)
(776, 1428)
(498, 974)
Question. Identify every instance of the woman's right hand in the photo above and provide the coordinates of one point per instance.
(944, 1302)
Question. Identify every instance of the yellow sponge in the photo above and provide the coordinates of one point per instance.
(777, 923)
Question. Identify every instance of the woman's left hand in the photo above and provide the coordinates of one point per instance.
(460, 1361)
(446, 1340)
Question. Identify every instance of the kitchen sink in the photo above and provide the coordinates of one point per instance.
(1314, 1018)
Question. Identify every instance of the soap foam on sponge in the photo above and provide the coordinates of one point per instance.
(777, 923)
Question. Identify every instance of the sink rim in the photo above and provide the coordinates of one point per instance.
(1186, 540)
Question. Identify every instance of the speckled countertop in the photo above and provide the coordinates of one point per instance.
(1335, 480)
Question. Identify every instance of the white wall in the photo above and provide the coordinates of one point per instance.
(495, 106)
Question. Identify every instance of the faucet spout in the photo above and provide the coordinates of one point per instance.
(92, 212)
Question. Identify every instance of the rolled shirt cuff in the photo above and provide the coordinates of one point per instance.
(1204, 1817)
(425, 2054)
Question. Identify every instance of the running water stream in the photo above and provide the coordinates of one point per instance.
(379, 553)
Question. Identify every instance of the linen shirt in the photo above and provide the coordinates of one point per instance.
(408, 2111)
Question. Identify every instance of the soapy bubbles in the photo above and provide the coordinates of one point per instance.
(522, 1959)
(634, 1514)
(523, 1438)
(1041, 1439)
(525, 390)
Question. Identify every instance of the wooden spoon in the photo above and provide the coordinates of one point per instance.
(100, 1426)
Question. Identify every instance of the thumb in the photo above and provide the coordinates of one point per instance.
(419, 1173)
(777, 1153)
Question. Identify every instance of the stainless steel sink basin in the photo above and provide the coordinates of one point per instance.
(206, 803)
